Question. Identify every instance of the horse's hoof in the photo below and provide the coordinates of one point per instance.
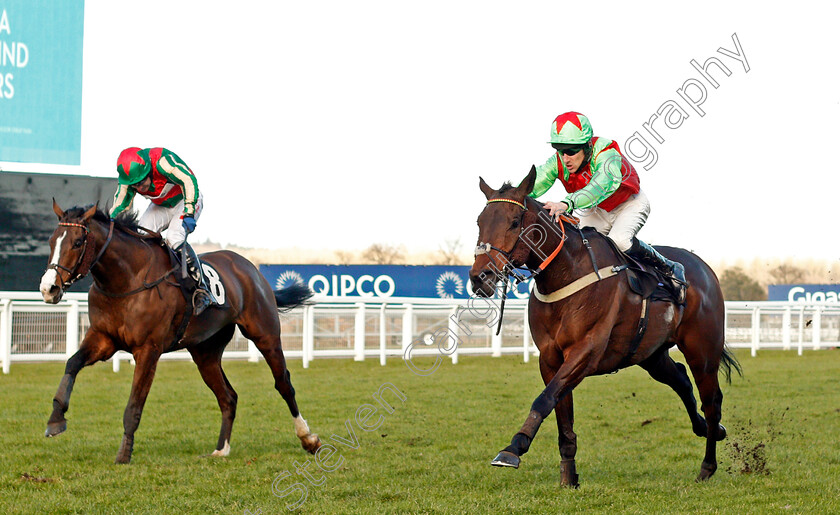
(55, 428)
(721, 432)
(506, 459)
(311, 443)
(123, 460)
(221, 453)
(568, 474)
(706, 471)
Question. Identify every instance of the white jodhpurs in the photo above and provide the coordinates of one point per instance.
(160, 218)
(622, 223)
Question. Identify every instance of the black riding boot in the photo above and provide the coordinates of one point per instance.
(200, 297)
(671, 269)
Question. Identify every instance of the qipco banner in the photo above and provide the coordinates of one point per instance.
(41, 81)
(444, 282)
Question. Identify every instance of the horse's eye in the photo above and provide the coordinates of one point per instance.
(515, 224)
(77, 243)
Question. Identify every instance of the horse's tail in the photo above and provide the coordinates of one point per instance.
(729, 361)
(292, 296)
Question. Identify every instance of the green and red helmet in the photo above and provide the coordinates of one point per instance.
(571, 129)
(133, 166)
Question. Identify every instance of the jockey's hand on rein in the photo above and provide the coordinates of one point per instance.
(555, 209)
(189, 224)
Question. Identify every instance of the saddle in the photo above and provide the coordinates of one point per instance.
(643, 280)
(200, 281)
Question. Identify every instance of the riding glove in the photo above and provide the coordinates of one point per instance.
(189, 224)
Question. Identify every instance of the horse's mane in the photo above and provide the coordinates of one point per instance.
(127, 221)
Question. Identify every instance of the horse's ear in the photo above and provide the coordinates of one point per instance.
(487, 190)
(527, 185)
(90, 212)
(58, 212)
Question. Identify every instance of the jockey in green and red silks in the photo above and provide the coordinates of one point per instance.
(176, 203)
(602, 188)
(171, 182)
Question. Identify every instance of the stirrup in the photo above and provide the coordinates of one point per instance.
(201, 300)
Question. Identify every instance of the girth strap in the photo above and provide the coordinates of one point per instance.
(579, 284)
(640, 332)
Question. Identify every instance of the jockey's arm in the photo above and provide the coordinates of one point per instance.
(176, 171)
(546, 176)
(606, 178)
(122, 199)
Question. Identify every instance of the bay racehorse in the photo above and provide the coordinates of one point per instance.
(135, 305)
(583, 325)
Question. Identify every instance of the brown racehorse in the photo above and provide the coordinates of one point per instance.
(134, 307)
(590, 331)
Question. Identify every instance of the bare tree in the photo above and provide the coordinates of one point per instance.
(787, 274)
(344, 257)
(449, 253)
(383, 254)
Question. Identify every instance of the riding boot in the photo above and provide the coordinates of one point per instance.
(201, 298)
(671, 269)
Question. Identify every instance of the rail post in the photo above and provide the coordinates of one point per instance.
(407, 326)
(72, 345)
(359, 330)
(6, 334)
(383, 336)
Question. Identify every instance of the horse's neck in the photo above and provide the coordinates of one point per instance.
(126, 262)
(571, 263)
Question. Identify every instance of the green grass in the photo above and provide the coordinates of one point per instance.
(636, 452)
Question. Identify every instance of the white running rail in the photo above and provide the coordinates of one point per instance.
(371, 327)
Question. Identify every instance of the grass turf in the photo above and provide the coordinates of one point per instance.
(636, 452)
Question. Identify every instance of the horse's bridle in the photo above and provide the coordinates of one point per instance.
(74, 274)
(485, 248)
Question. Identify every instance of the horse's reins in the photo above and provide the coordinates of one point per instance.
(485, 248)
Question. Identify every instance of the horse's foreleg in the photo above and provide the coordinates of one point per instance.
(144, 373)
(567, 440)
(570, 374)
(94, 347)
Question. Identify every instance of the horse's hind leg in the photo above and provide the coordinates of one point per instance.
(208, 357)
(95, 347)
(662, 368)
(705, 371)
(268, 344)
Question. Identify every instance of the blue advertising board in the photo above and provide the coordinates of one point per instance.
(804, 292)
(445, 282)
(41, 81)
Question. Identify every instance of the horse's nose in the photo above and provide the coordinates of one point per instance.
(479, 284)
(52, 294)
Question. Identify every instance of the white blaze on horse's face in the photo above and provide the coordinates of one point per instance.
(49, 289)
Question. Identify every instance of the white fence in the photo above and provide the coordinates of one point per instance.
(369, 327)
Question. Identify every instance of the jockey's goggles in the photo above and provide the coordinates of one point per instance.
(566, 150)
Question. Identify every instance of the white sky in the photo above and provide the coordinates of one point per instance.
(336, 125)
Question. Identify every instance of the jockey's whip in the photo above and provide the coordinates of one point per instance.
(184, 258)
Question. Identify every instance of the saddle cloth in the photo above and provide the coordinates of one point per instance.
(643, 279)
